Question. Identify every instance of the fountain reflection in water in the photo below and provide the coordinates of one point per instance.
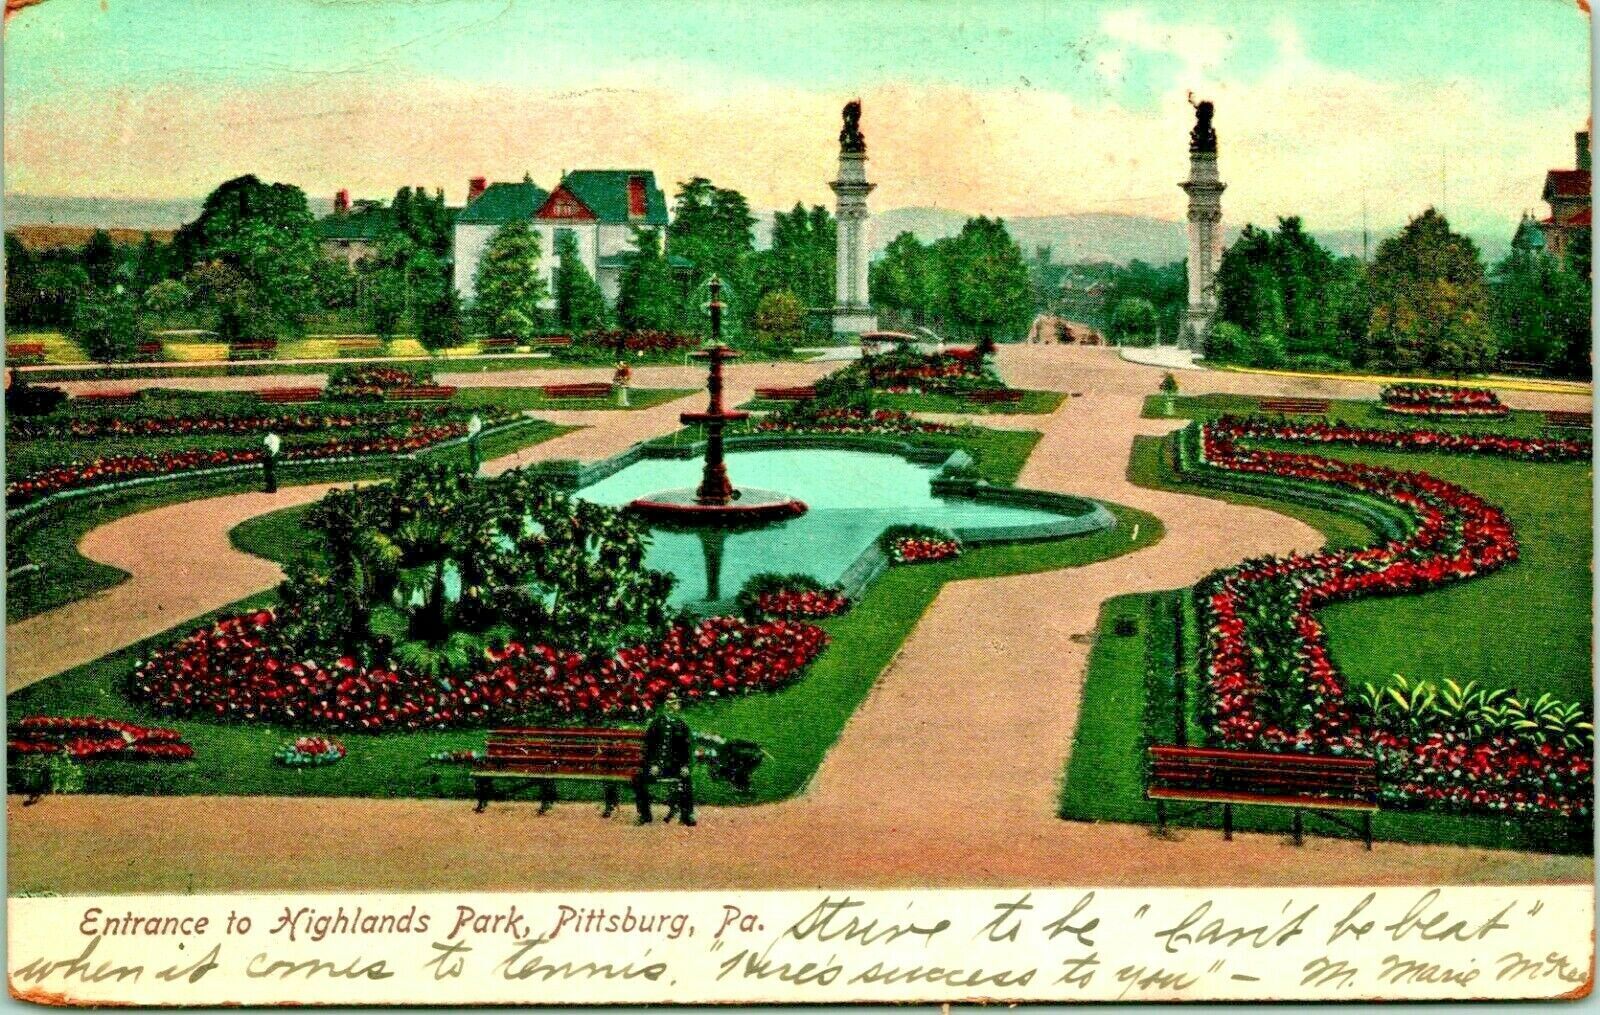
(716, 502)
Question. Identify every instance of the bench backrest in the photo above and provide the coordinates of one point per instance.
(1285, 777)
(602, 752)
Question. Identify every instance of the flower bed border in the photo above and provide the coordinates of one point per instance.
(1443, 509)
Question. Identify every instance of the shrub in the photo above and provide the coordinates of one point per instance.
(1169, 385)
(793, 596)
(24, 399)
(106, 326)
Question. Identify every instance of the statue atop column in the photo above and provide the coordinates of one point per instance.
(1203, 138)
(850, 138)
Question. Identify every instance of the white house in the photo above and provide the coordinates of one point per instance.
(600, 208)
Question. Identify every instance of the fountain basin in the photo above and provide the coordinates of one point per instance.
(851, 492)
(682, 509)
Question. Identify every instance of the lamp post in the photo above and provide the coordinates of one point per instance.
(474, 429)
(269, 473)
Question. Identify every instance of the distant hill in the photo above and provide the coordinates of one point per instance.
(53, 237)
(1072, 237)
(1116, 238)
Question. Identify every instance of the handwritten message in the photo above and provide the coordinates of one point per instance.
(836, 946)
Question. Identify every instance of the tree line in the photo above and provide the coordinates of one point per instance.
(1425, 303)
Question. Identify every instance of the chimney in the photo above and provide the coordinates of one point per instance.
(1582, 138)
(638, 199)
(341, 203)
(475, 187)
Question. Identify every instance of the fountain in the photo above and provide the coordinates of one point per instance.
(716, 502)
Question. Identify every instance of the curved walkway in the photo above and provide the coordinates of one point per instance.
(946, 775)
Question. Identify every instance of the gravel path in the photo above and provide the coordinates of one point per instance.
(946, 775)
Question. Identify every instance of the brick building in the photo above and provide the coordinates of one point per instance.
(1567, 191)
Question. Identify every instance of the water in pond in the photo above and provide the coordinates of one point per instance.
(853, 496)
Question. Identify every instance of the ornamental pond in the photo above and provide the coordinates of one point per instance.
(852, 495)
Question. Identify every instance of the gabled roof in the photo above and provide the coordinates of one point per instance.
(1566, 183)
(605, 191)
(363, 223)
(505, 202)
(1584, 218)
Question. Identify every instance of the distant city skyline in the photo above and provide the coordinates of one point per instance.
(1025, 109)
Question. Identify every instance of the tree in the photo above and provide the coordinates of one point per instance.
(105, 324)
(987, 279)
(100, 258)
(1542, 311)
(1430, 300)
(907, 279)
(266, 234)
(801, 258)
(711, 228)
(440, 324)
(1133, 322)
(780, 319)
(648, 297)
(166, 298)
(239, 310)
(580, 306)
(510, 289)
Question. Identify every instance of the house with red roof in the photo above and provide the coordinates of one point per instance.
(598, 208)
(1567, 191)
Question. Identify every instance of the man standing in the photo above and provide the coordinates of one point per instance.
(668, 754)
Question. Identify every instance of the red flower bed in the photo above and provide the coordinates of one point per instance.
(302, 421)
(1441, 400)
(923, 551)
(851, 420)
(1533, 449)
(91, 738)
(120, 468)
(371, 383)
(232, 671)
(1271, 683)
(804, 604)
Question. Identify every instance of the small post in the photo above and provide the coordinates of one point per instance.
(1299, 828)
(269, 473)
(619, 380)
(474, 430)
(1366, 829)
(1227, 822)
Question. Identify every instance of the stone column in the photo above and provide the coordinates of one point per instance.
(852, 307)
(1205, 189)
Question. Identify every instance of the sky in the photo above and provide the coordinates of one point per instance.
(1015, 108)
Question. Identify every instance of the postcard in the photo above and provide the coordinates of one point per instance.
(809, 502)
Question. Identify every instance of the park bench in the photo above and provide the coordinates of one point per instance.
(545, 756)
(1520, 367)
(550, 342)
(253, 348)
(286, 396)
(597, 389)
(421, 393)
(1301, 782)
(1295, 406)
(995, 396)
(1564, 420)
(358, 345)
(795, 394)
(149, 349)
(499, 343)
(25, 352)
(118, 397)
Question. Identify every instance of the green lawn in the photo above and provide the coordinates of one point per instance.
(1353, 412)
(201, 356)
(796, 726)
(1525, 626)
